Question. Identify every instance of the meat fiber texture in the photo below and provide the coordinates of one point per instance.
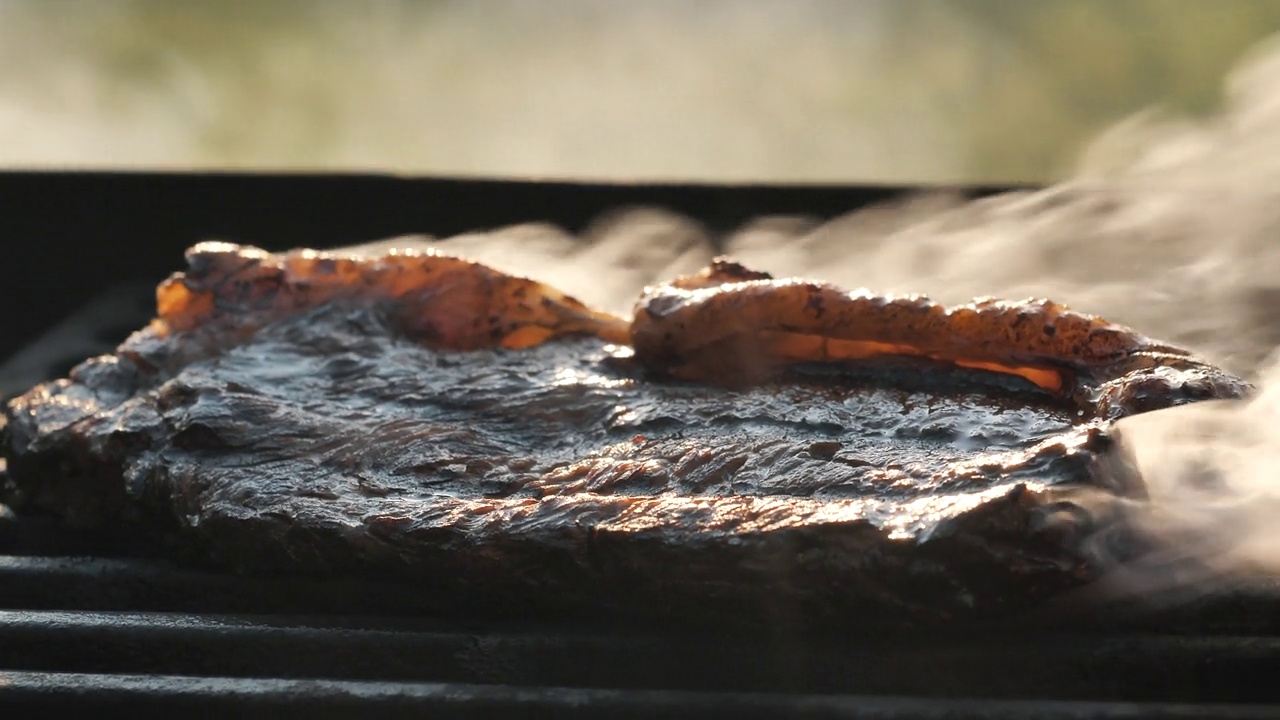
(743, 449)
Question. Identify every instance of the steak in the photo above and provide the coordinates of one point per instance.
(744, 449)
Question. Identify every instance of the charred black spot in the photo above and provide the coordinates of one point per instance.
(825, 449)
(730, 270)
(199, 436)
(815, 303)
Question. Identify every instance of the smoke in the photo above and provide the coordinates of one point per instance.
(606, 267)
(1169, 226)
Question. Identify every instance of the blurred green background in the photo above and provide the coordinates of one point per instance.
(799, 90)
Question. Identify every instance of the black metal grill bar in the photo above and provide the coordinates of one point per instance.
(40, 582)
(95, 583)
(1219, 669)
(30, 693)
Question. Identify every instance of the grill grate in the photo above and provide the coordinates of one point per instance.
(143, 633)
(217, 697)
(88, 624)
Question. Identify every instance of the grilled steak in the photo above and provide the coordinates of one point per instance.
(743, 448)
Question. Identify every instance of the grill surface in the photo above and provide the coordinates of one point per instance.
(90, 623)
(111, 631)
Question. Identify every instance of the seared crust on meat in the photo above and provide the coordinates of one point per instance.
(424, 417)
(729, 324)
(443, 301)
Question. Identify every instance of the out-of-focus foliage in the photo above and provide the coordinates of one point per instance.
(1047, 75)
(895, 90)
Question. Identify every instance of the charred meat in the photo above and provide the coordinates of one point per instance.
(743, 445)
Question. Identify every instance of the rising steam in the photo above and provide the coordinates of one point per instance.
(1170, 227)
